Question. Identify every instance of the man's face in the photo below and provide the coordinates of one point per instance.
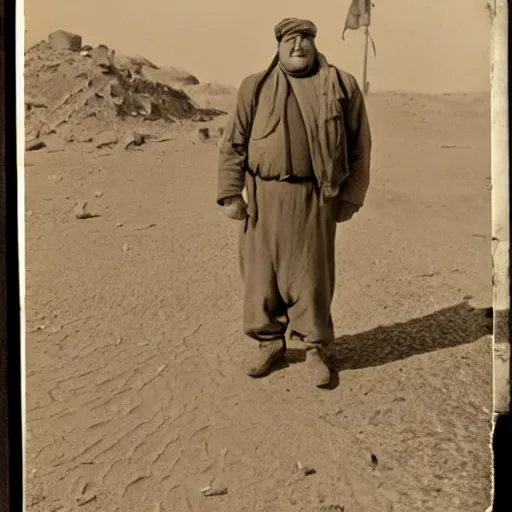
(297, 52)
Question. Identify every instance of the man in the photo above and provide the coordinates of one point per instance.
(298, 148)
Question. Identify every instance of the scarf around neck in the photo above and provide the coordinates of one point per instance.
(319, 99)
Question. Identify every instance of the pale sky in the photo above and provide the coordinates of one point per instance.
(426, 46)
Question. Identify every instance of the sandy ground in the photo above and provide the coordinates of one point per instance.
(136, 397)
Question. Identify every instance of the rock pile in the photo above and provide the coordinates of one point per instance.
(78, 92)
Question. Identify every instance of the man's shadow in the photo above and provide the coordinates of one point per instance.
(450, 327)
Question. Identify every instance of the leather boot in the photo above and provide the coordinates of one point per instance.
(265, 356)
(317, 369)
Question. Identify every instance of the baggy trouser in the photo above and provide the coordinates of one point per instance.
(287, 262)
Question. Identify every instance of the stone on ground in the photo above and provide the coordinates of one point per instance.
(100, 56)
(62, 40)
(169, 76)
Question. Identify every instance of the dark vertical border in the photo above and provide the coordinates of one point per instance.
(4, 427)
(12, 263)
(11, 468)
(502, 448)
(502, 436)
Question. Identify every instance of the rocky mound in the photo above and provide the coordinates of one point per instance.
(78, 92)
(211, 95)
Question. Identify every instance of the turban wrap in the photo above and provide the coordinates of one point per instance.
(294, 25)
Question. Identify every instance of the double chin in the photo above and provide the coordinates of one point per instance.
(297, 69)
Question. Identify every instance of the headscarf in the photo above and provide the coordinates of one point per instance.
(289, 25)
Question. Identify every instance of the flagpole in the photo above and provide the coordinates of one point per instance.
(365, 61)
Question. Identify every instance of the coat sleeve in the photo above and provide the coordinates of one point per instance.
(359, 149)
(233, 145)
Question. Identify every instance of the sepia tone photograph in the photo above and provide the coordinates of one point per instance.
(259, 274)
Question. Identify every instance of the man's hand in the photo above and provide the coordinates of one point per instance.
(346, 211)
(235, 208)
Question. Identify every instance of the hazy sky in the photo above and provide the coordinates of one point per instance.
(422, 45)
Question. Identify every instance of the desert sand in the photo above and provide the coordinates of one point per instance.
(136, 397)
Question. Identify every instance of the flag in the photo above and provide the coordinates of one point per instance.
(358, 15)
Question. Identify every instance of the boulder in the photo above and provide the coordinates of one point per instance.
(101, 56)
(170, 76)
(134, 64)
(62, 40)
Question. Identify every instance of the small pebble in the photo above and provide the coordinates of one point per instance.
(214, 491)
(35, 145)
(81, 211)
(203, 133)
(305, 470)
